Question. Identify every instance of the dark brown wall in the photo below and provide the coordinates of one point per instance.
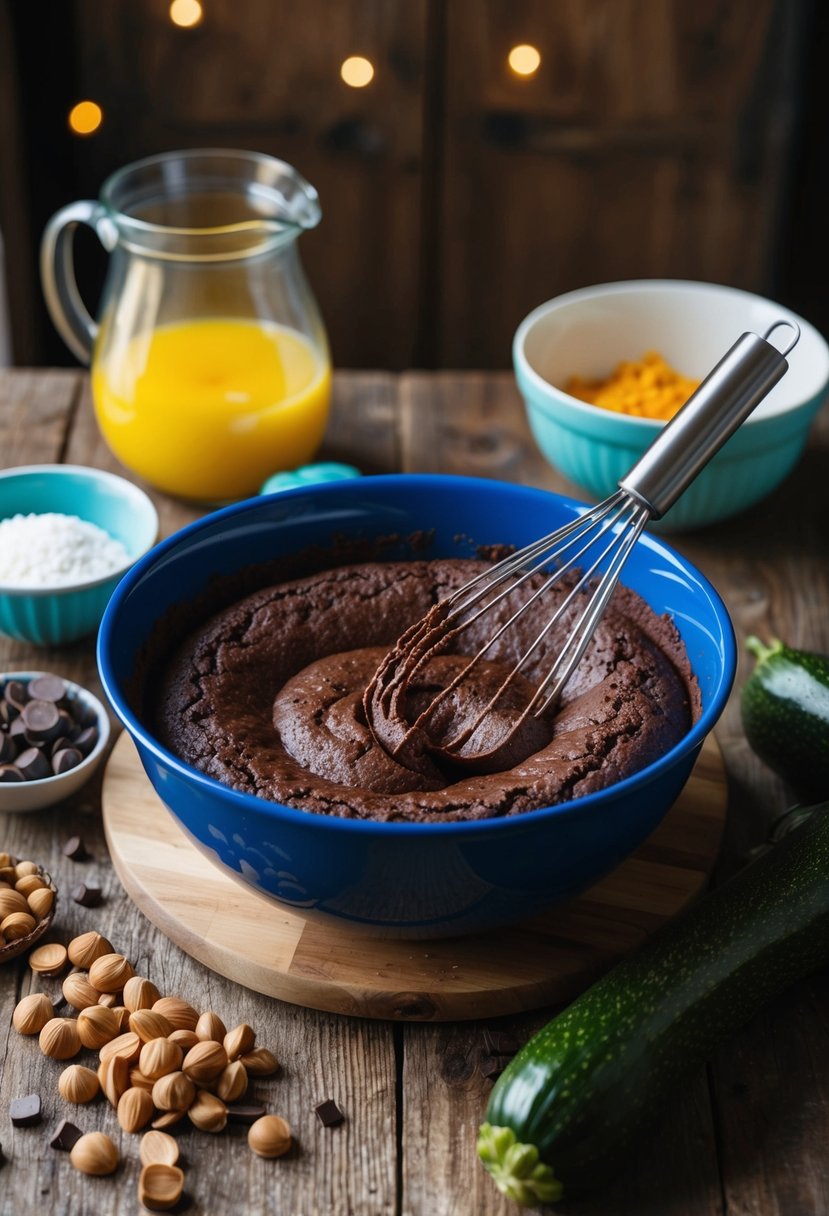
(659, 138)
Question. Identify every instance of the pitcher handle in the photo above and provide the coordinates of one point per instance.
(66, 308)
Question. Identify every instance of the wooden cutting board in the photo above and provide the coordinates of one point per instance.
(542, 961)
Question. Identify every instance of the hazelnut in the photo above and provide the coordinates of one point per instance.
(41, 902)
(160, 1057)
(94, 1153)
(232, 1082)
(185, 1039)
(113, 1075)
(269, 1136)
(128, 1046)
(97, 1026)
(59, 1038)
(160, 1185)
(17, 925)
(157, 1148)
(135, 1109)
(173, 1092)
(239, 1041)
(32, 1013)
(48, 959)
(178, 1013)
(11, 901)
(78, 1084)
(83, 950)
(78, 991)
(139, 1081)
(207, 1112)
(140, 994)
(110, 972)
(210, 1027)
(29, 883)
(110, 999)
(24, 868)
(122, 1016)
(260, 1062)
(148, 1024)
(168, 1119)
(204, 1062)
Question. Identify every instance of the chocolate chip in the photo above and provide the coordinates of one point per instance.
(245, 1113)
(15, 694)
(10, 773)
(66, 758)
(75, 848)
(33, 764)
(42, 720)
(66, 1137)
(8, 748)
(88, 897)
(25, 1112)
(86, 740)
(47, 688)
(17, 730)
(329, 1114)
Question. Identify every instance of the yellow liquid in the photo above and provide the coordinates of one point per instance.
(207, 409)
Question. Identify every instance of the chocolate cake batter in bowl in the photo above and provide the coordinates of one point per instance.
(237, 654)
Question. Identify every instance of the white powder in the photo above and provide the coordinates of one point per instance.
(53, 550)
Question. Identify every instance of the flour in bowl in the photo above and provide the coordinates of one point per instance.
(54, 550)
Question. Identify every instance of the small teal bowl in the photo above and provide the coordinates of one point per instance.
(53, 616)
(588, 332)
(402, 879)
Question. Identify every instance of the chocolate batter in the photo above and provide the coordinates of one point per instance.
(268, 695)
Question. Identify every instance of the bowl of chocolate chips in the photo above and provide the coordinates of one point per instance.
(53, 734)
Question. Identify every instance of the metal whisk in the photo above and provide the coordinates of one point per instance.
(588, 553)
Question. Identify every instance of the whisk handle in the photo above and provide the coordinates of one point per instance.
(724, 399)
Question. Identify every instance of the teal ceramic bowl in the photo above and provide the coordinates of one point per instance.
(588, 332)
(51, 616)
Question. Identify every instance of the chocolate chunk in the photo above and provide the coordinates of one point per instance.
(86, 740)
(25, 1112)
(33, 764)
(75, 848)
(88, 897)
(66, 758)
(10, 773)
(245, 1112)
(47, 688)
(329, 1114)
(66, 1137)
(42, 720)
(15, 694)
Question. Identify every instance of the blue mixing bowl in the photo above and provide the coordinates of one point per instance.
(402, 879)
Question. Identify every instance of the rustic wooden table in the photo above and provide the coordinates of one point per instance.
(747, 1135)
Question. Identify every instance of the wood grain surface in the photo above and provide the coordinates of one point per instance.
(277, 951)
(745, 1137)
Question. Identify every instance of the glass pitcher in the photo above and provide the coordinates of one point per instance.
(209, 361)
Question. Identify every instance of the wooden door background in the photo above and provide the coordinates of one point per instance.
(658, 138)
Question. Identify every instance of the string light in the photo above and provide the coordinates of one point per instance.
(186, 13)
(85, 117)
(525, 60)
(357, 71)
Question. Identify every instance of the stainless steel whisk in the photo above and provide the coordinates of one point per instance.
(592, 549)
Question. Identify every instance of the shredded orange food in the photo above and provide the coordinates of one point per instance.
(647, 388)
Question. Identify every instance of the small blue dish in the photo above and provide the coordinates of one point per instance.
(403, 879)
(53, 616)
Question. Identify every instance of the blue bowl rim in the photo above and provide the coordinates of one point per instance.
(132, 492)
(276, 810)
(523, 368)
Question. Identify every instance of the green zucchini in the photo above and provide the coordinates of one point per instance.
(570, 1106)
(785, 711)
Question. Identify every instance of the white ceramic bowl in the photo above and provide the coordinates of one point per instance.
(35, 795)
(588, 332)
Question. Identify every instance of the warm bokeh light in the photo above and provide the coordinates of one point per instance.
(524, 60)
(186, 13)
(85, 117)
(357, 71)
